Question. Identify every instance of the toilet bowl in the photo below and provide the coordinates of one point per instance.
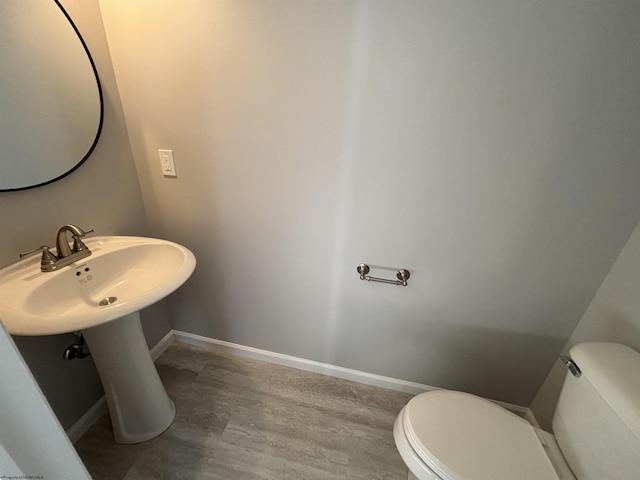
(448, 435)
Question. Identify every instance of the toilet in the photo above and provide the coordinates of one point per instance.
(448, 435)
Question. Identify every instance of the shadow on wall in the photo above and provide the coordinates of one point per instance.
(486, 362)
(70, 386)
(618, 330)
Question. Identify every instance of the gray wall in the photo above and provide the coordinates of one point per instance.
(103, 194)
(489, 147)
(612, 316)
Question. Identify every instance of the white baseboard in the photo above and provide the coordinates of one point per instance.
(164, 343)
(84, 423)
(303, 364)
(319, 367)
(531, 418)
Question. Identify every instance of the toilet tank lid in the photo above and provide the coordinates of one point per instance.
(614, 371)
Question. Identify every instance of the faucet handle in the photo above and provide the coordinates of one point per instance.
(82, 232)
(48, 258)
(43, 248)
(78, 245)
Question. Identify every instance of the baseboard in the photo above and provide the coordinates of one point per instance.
(85, 422)
(303, 364)
(164, 343)
(531, 418)
(319, 367)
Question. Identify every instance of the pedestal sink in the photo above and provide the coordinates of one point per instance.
(101, 296)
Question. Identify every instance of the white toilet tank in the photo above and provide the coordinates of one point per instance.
(597, 419)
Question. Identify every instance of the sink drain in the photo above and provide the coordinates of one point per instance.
(107, 301)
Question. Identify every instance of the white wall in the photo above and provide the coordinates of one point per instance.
(489, 147)
(612, 316)
(102, 194)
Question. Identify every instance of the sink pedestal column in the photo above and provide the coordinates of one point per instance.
(138, 403)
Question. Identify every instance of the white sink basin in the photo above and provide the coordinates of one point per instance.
(122, 276)
(101, 296)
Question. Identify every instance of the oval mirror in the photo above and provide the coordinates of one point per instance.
(51, 106)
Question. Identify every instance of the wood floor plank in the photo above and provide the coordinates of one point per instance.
(239, 418)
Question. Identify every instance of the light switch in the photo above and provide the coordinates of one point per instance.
(167, 163)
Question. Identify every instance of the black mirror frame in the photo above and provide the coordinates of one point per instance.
(100, 122)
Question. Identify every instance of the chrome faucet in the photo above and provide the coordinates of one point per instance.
(65, 254)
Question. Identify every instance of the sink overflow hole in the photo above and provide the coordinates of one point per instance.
(107, 301)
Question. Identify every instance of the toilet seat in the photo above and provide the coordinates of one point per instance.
(463, 437)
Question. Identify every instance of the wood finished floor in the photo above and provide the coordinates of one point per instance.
(239, 418)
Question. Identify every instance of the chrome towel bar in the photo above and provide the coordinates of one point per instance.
(402, 275)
